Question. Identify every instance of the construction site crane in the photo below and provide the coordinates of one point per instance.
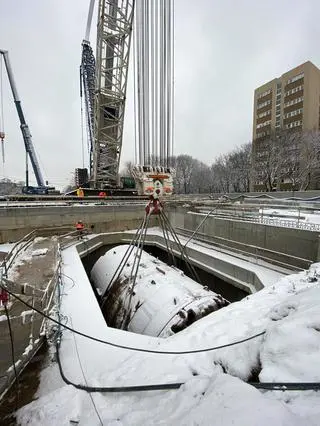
(104, 83)
(30, 151)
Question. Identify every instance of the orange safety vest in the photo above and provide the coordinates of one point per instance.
(79, 226)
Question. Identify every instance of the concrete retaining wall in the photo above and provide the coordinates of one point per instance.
(17, 222)
(294, 242)
(233, 274)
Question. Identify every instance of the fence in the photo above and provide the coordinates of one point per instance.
(294, 223)
(29, 327)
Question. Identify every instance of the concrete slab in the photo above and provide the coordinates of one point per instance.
(36, 266)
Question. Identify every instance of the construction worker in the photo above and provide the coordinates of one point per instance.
(102, 194)
(80, 228)
(80, 192)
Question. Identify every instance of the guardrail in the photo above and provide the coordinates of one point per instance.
(263, 220)
(296, 224)
(31, 325)
(26, 240)
(287, 261)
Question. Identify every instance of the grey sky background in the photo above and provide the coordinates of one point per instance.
(224, 49)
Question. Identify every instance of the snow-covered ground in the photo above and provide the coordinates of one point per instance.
(289, 214)
(6, 247)
(214, 390)
(267, 273)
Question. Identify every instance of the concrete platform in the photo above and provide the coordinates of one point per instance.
(32, 273)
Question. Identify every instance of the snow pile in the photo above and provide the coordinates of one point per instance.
(289, 313)
(218, 400)
(294, 215)
(292, 346)
(6, 247)
(40, 252)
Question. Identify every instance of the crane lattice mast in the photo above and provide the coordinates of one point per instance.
(112, 60)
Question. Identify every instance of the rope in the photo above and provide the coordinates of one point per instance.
(123, 261)
(84, 377)
(170, 386)
(269, 386)
(153, 81)
(184, 254)
(98, 388)
(199, 226)
(130, 348)
(136, 263)
(12, 353)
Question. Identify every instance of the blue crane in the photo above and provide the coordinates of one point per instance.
(30, 151)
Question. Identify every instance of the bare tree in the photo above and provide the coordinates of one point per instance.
(310, 156)
(291, 143)
(239, 165)
(268, 161)
(221, 174)
(127, 169)
(201, 178)
(184, 166)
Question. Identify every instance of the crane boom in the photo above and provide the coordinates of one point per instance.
(23, 125)
(87, 86)
(112, 59)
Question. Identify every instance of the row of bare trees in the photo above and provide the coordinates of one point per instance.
(287, 160)
(228, 173)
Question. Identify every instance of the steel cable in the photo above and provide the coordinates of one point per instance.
(184, 255)
(130, 348)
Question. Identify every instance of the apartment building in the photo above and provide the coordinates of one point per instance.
(288, 103)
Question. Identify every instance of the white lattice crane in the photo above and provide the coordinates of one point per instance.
(104, 83)
(105, 101)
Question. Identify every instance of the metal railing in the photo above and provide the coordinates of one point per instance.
(28, 323)
(288, 261)
(263, 220)
(26, 240)
(285, 223)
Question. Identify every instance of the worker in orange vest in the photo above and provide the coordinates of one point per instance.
(80, 228)
(102, 194)
(80, 192)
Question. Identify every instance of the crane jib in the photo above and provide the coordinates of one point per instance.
(23, 125)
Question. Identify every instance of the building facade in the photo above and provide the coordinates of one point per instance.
(290, 103)
(81, 177)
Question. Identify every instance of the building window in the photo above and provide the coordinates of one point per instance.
(293, 101)
(293, 113)
(297, 77)
(263, 134)
(293, 124)
(263, 104)
(294, 90)
(267, 92)
(264, 114)
(265, 123)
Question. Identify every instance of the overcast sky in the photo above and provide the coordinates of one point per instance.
(224, 49)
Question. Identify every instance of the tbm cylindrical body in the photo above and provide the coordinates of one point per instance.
(163, 300)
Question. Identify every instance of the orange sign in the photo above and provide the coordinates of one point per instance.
(158, 176)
